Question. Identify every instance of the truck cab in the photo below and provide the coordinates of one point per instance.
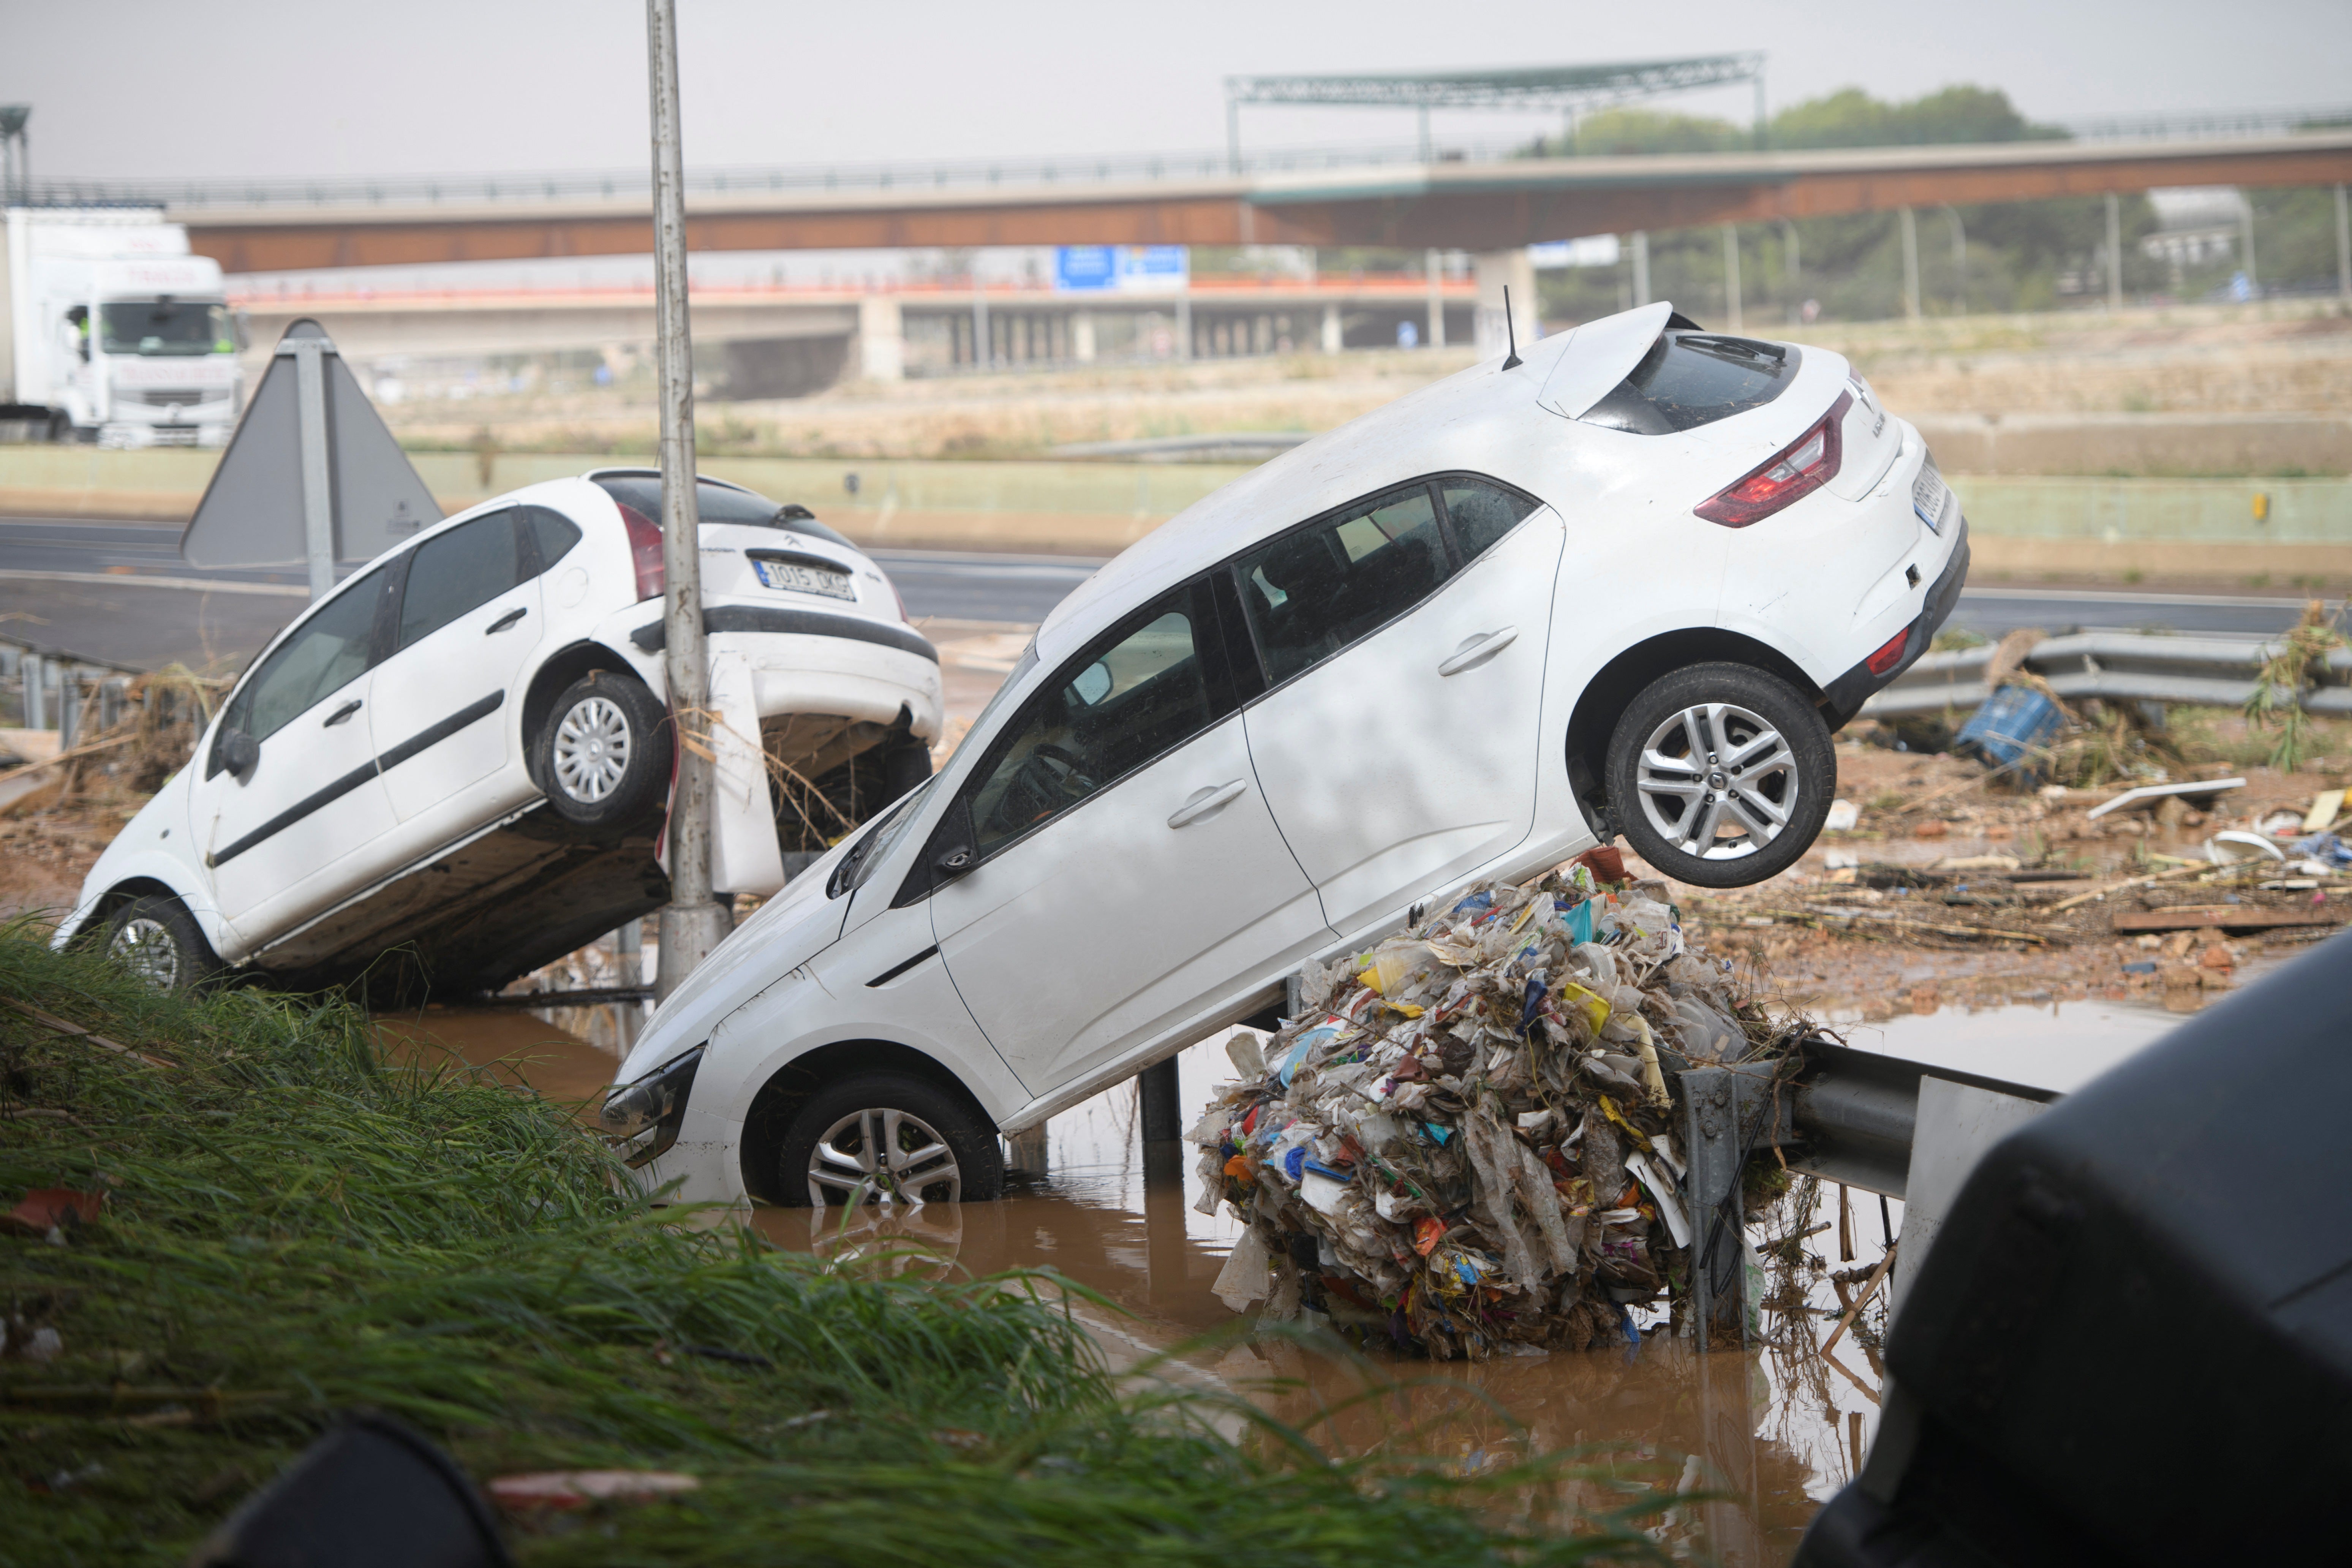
(115, 333)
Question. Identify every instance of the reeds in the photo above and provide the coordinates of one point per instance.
(294, 1227)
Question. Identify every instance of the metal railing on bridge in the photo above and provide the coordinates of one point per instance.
(1219, 163)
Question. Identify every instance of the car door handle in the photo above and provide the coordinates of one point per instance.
(340, 714)
(503, 622)
(1477, 650)
(1206, 803)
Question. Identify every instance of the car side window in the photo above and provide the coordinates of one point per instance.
(1311, 592)
(1481, 513)
(457, 571)
(554, 534)
(1141, 690)
(325, 654)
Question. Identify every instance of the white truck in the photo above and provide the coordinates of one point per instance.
(112, 331)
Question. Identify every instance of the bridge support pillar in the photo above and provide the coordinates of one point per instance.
(1432, 269)
(1335, 336)
(1082, 337)
(881, 339)
(1496, 270)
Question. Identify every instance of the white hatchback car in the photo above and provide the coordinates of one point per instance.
(1629, 586)
(374, 783)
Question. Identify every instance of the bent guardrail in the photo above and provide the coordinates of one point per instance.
(2117, 667)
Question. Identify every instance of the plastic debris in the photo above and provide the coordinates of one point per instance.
(2015, 723)
(2198, 790)
(1466, 1140)
(1844, 817)
(52, 1213)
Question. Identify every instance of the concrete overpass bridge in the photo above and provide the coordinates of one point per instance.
(1491, 206)
(780, 341)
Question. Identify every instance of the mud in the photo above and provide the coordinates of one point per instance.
(1774, 1430)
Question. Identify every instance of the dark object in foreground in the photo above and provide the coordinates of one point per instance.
(373, 1493)
(2133, 1340)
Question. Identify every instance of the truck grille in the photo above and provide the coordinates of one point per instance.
(172, 397)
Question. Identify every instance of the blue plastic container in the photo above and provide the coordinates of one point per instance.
(2012, 724)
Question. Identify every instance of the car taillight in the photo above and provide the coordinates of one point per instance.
(901, 598)
(1890, 656)
(1797, 470)
(644, 552)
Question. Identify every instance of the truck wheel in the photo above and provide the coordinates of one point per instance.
(155, 938)
(603, 754)
(1721, 774)
(886, 1135)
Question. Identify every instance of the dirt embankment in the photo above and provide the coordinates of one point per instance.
(2272, 359)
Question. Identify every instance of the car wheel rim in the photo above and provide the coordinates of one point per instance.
(592, 750)
(144, 946)
(883, 1156)
(1718, 781)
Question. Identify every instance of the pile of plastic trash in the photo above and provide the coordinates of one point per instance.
(1468, 1139)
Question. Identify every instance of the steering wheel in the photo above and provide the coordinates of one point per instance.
(1049, 778)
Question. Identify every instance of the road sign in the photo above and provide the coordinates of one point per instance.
(1122, 269)
(312, 473)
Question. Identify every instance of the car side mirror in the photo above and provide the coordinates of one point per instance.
(1093, 683)
(240, 753)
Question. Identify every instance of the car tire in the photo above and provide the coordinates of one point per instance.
(823, 1157)
(156, 939)
(603, 754)
(1752, 805)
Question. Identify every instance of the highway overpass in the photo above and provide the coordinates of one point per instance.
(767, 342)
(1486, 207)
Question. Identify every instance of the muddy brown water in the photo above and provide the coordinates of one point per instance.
(1770, 1433)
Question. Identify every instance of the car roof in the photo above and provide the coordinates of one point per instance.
(1478, 419)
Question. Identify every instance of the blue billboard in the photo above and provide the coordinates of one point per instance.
(1121, 268)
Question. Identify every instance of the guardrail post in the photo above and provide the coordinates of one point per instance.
(1725, 1113)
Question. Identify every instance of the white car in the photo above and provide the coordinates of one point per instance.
(1628, 585)
(461, 758)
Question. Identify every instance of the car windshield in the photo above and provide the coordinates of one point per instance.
(716, 502)
(1689, 379)
(167, 327)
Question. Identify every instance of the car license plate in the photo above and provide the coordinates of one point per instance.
(1931, 495)
(803, 578)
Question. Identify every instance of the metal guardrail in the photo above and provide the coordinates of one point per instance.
(2119, 667)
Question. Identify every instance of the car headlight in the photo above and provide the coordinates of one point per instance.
(654, 1105)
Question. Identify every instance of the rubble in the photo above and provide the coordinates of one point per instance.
(1468, 1138)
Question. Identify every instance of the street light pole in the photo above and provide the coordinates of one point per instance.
(693, 922)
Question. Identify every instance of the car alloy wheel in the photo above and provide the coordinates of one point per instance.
(1715, 767)
(886, 1154)
(146, 947)
(592, 749)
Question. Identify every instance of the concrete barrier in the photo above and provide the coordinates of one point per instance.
(2021, 525)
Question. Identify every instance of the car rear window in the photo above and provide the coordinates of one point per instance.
(1689, 379)
(715, 503)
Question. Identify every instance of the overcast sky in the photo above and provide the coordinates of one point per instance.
(259, 88)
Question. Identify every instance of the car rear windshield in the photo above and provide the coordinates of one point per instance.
(1689, 379)
(715, 503)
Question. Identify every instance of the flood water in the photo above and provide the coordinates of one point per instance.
(1773, 1431)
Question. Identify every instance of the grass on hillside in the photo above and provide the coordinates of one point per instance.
(294, 1227)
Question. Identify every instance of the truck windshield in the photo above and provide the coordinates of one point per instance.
(167, 327)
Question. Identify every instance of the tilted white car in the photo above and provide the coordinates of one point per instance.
(1629, 586)
(461, 758)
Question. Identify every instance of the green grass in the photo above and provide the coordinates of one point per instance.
(294, 1228)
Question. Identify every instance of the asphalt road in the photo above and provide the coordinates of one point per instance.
(118, 593)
